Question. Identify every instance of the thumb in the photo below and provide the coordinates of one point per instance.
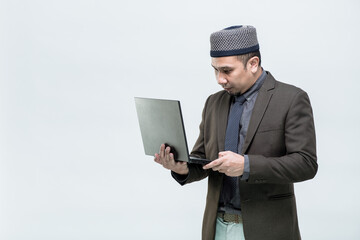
(221, 154)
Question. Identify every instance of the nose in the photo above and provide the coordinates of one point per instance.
(221, 78)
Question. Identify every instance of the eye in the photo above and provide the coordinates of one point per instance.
(227, 71)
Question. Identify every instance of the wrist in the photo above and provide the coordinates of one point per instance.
(182, 170)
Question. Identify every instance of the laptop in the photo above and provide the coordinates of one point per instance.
(161, 122)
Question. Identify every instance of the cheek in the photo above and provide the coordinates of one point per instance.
(236, 80)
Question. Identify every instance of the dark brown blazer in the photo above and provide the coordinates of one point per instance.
(280, 143)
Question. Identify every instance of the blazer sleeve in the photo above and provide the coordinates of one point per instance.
(299, 163)
(196, 172)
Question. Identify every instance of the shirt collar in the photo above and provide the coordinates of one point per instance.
(255, 87)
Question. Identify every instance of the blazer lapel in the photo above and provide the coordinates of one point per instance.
(259, 109)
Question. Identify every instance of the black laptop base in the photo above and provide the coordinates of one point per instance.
(200, 161)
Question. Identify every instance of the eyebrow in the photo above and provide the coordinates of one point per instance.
(222, 67)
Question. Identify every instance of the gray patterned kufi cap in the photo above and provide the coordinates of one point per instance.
(232, 41)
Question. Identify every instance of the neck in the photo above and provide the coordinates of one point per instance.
(253, 80)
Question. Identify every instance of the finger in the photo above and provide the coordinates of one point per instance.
(179, 164)
(167, 154)
(182, 163)
(171, 157)
(221, 154)
(213, 164)
(162, 150)
(157, 158)
(220, 168)
(225, 154)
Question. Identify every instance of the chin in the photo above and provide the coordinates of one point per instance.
(232, 92)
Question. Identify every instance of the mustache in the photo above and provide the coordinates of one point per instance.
(225, 85)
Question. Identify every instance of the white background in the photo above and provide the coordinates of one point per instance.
(72, 162)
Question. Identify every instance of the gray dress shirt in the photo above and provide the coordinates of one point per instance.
(250, 96)
(233, 205)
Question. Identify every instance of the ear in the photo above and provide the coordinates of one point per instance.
(253, 64)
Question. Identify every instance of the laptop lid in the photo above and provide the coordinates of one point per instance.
(161, 122)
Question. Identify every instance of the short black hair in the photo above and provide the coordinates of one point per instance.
(244, 58)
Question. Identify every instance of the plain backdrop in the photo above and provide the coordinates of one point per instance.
(72, 161)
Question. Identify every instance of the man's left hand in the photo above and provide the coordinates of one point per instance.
(229, 163)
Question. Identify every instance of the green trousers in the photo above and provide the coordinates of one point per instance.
(229, 230)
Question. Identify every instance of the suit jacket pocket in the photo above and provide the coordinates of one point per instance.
(270, 129)
(281, 196)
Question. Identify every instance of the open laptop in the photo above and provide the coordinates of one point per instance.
(161, 122)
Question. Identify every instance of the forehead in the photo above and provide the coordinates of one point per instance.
(230, 61)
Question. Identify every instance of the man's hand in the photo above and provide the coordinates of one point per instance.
(229, 163)
(166, 159)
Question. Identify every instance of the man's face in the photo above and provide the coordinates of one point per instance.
(232, 75)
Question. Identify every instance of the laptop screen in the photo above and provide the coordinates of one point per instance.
(161, 122)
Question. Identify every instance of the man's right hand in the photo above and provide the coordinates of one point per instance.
(166, 159)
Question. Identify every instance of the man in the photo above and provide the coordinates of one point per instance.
(260, 134)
